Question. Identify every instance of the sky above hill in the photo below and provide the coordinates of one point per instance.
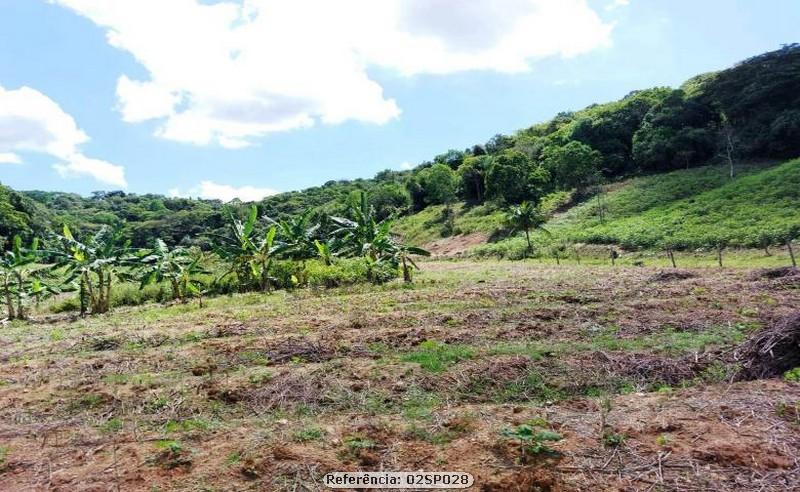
(224, 99)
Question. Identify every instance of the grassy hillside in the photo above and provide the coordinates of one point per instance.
(429, 224)
(687, 209)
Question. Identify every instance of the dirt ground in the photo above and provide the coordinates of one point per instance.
(636, 370)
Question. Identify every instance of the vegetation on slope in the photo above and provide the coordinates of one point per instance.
(695, 208)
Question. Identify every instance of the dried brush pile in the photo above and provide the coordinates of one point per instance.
(772, 351)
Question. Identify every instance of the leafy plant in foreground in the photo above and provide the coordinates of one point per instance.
(532, 441)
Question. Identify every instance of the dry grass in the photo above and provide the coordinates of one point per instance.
(395, 378)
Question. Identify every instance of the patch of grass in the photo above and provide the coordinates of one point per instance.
(435, 356)
(187, 425)
(308, 434)
(4, 450)
(419, 404)
(87, 402)
(111, 426)
(792, 375)
(260, 376)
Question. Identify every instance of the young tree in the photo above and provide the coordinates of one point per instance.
(728, 142)
(526, 217)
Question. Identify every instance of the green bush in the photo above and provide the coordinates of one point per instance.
(347, 272)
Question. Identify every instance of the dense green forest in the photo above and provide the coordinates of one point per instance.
(750, 111)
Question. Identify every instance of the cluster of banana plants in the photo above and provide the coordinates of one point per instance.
(178, 266)
(92, 266)
(22, 278)
(249, 250)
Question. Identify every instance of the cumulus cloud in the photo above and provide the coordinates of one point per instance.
(102, 171)
(214, 191)
(231, 71)
(405, 166)
(32, 122)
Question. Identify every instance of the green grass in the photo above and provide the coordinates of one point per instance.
(427, 225)
(436, 357)
(691, 209)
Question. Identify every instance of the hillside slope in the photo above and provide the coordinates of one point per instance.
(685, 209)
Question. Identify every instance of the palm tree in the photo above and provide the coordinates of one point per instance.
(526, 217)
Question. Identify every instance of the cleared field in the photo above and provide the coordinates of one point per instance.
(473, 368)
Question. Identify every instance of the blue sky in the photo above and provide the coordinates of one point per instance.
(224, 98)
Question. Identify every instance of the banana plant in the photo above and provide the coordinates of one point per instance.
(363, 235)
(526, 217)
(262, 257)
(178, 266)
(402, 256)
(16, 267)
(93, 265)
(297, 237)
(237, 248)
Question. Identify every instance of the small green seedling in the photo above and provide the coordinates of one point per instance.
(531, 441)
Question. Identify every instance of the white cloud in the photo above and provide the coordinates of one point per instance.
(32, 122)
(10, 158)
(102, 171)
(232, 71)
(405, 166)
(214, 191)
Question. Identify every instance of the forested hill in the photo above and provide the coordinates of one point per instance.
(749, 111)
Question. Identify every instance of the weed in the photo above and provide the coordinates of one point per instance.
(663, 439)
(4, 450)
(308, 434)
(435, 356)
(111, 426)
(187, 425)
(532, 441)
(613, 439)
(233, 458)
(789, 412)
(260, 376)
(792, 375)
(171, 455)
